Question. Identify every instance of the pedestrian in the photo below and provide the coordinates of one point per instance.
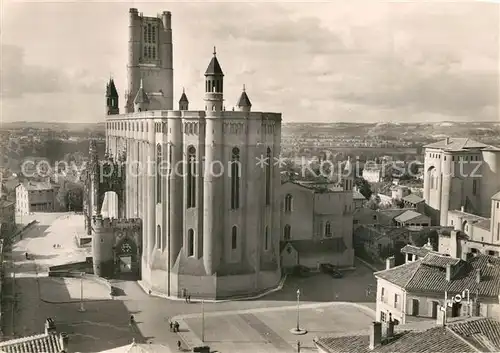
(131, 320)
(189, 298)
(149, 292)
(27, 256)
(176, 326)
(171, 326)
(179, 344)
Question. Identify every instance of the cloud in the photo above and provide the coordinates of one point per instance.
(18, 78)
(313, 62)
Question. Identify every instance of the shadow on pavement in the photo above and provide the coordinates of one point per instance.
(102, 326)
(357, 286)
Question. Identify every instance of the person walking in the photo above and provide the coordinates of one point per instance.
(171, 326)
(189, 298)
(179, 345)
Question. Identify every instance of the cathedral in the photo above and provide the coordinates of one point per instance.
(181, 202)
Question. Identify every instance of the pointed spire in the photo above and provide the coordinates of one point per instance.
(214, 67)
(215, 51)
(244, 101)
(111, 89)
(184, 98)
(141, 96)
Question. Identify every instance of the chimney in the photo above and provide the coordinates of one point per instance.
(375, 335)
(447, 140)
(448, 273)
(462, 209)
(63, 341)
(478, 275)
(454, 244)
(390, 327)
(390, 262)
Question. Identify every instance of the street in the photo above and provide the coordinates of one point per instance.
(105, 323)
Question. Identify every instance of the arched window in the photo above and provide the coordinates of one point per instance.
(153, 35)
(209, 86)
(158, 237)
(268, 176)
(266, 239)
(149, 52)
(287, 232)
(288, 203)
(234, 238)
(213, 107)
(154, 53)
(191, 177)
(328, 229)
(145, 33)
(158, 173)
(190, 242)
(235, 179)
(149, 33)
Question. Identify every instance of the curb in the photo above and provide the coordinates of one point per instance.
(258, 296)
(75, 301)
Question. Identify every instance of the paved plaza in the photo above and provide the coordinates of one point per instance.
(268, 329)
(248, 325)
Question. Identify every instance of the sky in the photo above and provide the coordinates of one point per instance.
(349, 61)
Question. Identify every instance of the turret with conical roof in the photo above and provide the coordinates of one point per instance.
(112, 107)
(141, 101)
(214, 85)
(348, 175)
(183, 102)
(244, 104)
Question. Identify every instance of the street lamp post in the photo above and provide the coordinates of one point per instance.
(297, 330)
(298, 310)
(82, 309)
(203, 321)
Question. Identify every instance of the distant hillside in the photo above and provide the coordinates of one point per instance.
(72, 126)
(484, 131)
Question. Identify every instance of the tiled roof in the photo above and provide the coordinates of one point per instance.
(356, 195)
(441, 261)
(140, 348)
(483, 333)
(43, 343)
(496, 196)
(378, 231)
(319, 187)
(456, 144)
(415, 250)
(437, 339)
(392, 213)
(334, 245)
(467, 216)
(407, 216)
(38, 185)
(412, 198)
(6, 203)
(484, 224)
(429, 275)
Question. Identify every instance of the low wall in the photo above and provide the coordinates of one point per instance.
(23, 229)
(76, 274)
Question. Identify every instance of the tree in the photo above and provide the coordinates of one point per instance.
(363, 187)
(374, 202)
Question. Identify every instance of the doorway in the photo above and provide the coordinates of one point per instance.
(125, 264)
(415, 307)
(456, 309)
(434, 309)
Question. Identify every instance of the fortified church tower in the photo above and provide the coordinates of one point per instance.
(209, 221)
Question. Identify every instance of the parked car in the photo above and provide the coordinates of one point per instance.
(331, 270)
(300, 271)
(327, 268)
(336, 274)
